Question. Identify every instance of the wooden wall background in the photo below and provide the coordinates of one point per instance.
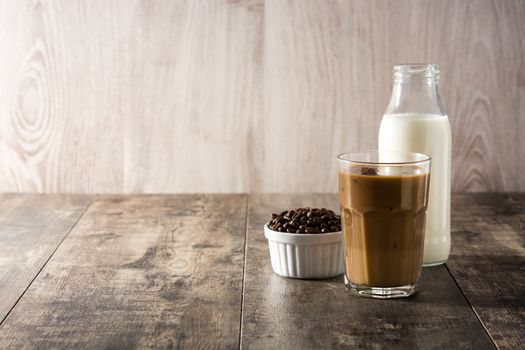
(245, 95)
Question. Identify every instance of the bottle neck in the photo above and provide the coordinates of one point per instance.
(415, 91)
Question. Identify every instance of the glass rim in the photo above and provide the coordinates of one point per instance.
(345, 157)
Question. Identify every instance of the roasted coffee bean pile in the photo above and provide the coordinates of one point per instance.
(306, 220)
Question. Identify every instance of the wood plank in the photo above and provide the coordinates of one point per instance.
(140, 272)
(112, 97)
(198, 98)
(117, 96)
(488, 261)
(309, 314)
(328, 79)
(31, 228)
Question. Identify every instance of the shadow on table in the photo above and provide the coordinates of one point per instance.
(436, 288)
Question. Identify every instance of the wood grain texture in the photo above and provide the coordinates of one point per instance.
(140, 272)
(245, 95)
(488, 261)
(195, 96)
(309, 314)
(327, 83)
(60, 97)
(31, 228)
(130, 96)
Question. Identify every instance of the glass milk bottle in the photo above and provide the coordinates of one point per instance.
(416, 121)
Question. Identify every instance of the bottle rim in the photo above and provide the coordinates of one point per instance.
(416, 70)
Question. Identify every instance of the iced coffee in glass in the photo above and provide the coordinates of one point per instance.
(383, 197)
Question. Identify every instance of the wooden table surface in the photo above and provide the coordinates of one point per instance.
(193, 271)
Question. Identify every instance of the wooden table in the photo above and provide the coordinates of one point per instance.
(193, 271)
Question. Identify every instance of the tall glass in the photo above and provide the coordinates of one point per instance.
(383, 197)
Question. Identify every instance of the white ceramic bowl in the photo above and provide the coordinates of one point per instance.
(312, 256)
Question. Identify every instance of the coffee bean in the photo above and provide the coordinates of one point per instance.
(305, 220)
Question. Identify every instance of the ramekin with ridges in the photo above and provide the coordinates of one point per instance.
(306, 255)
